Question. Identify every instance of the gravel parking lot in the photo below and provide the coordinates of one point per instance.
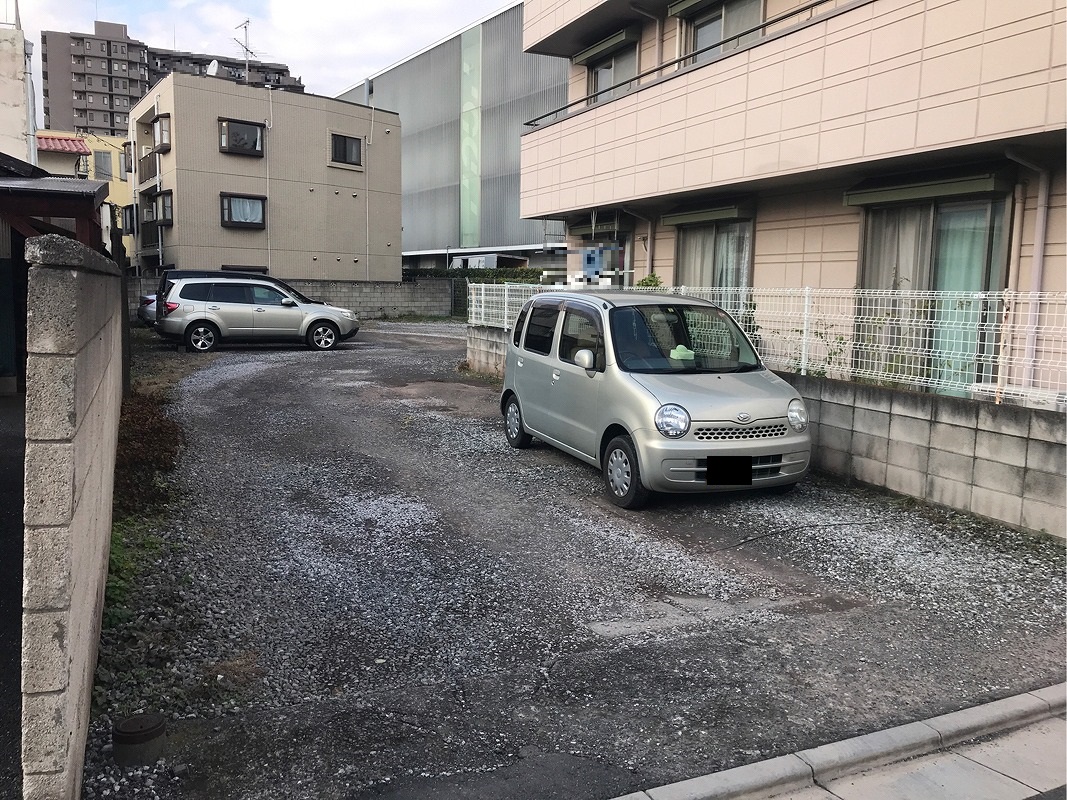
(367, 594)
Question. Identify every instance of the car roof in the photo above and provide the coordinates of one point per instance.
(624, 297)
(217, 274)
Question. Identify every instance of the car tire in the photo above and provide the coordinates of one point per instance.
(513, 428)
(622, 475)
(322, 336)
(201, 337)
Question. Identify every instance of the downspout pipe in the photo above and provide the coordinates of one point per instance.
(1037, 268)
(659, 33)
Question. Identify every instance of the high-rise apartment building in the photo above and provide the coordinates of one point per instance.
(91, 81)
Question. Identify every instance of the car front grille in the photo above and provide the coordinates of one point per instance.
(729, 432)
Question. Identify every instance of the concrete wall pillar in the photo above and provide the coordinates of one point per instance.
(75, 319)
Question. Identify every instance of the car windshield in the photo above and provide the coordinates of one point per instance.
(300, 298)
(672, 338)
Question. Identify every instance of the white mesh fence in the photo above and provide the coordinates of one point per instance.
(1008, 345)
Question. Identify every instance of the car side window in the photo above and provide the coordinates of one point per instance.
(194, 291)
(541, 327)
(516, 335)
(229, 293)
(581, 331)
(265, 296)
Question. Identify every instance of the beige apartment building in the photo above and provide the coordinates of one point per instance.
(915, 144)
(298, 186)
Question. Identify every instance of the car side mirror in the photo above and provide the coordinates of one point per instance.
(288, 301)
(585, 359)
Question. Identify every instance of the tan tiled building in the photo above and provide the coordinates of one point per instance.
(839, 143)
(285, 183)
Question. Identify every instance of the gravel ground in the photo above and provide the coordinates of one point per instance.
(367, 593)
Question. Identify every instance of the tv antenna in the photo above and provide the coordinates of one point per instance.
(244, 46)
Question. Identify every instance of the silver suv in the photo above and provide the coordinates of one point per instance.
(663, 393)
(204, 308)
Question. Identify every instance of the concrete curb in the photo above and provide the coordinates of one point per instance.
(807, 768)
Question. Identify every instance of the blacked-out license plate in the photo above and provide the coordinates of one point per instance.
(729, 470)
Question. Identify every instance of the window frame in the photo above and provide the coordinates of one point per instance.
(225, 211)
(225, 138)
(332, 137)
(536, 310)
(612, 89)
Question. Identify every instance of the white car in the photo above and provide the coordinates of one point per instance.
(663, 393)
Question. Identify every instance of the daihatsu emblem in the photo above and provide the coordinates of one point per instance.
(744, 417)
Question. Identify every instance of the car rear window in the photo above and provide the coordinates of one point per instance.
(194, 291)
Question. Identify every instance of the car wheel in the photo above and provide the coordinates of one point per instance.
(201, 337)
(622, 476)
(322, 336)
(513, 428)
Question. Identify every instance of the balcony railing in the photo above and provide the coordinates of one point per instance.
(1000, 346)
(793, 16)
(146, 168)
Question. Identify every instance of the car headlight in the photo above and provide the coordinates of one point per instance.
(798, 414)
(672, 421)
(347, 314)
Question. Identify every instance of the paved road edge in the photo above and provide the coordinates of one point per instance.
(806, 768)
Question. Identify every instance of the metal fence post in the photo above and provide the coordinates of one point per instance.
(804, 336)
(506, 309)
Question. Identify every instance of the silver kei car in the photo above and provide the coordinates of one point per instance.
(663, 393)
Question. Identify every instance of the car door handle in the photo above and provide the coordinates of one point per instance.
(213, 308)
(518, 362)
(555, 375)
(261, 310)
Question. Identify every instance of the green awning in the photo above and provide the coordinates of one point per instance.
(929, 185)
(740, 209)
(606, 47)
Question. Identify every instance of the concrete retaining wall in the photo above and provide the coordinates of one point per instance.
(73, 398)
(1005, 463)
(431, 297)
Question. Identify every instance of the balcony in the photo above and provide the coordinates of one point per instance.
(871, 80)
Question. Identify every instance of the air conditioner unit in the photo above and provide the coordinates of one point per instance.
(146, 150)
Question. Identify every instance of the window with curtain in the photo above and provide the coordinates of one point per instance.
(243, 211)
(715, 255)
(938, 245)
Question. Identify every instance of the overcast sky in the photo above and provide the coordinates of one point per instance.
(331, 45)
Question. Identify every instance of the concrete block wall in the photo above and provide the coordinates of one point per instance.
(1005, 463)
(430, 297)
(75, 319)
(1002, 462)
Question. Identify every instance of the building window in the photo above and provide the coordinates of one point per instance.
(161, 133)
(89, 81)
(124, 163)
(717, 255)
(163, 208)
(243, 211)
(947, 244)
(242, 138)
(620, 66)
(129, 219)
(346, 149)
(711, 28)
(103, 47)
